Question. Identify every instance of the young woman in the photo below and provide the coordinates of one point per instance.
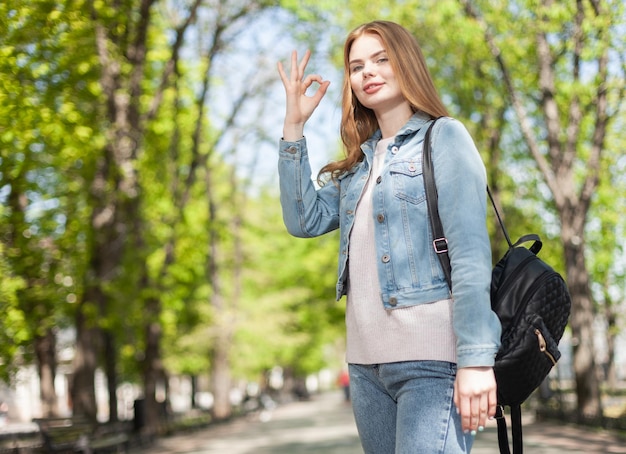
(420, 358)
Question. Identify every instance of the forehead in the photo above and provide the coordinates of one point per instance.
(364, 46)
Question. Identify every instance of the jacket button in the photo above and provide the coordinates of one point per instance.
(291, 150)
(412, 167)
(385, 258)
(393, 301)
(379, 179)
(380, 217)
(394, 150)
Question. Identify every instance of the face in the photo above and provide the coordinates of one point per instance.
(371, 76)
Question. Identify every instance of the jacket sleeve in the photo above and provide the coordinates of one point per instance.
(307, 211)
(461, 184)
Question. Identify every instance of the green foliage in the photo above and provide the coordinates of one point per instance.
(277, 291)
(14, 330)
(56, 132)
(289, 316)
(606, 233)
(47, 128)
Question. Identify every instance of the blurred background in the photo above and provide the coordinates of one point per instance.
(145, 270)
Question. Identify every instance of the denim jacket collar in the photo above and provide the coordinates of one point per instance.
(414, 125)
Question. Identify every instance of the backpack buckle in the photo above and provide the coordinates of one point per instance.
(440, 245)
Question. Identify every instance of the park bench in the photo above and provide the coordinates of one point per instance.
(76, 434)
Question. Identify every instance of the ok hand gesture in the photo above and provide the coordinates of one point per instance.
(300, 107)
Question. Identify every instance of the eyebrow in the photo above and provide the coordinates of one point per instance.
(374, 55)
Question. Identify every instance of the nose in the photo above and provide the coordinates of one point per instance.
(368, 70)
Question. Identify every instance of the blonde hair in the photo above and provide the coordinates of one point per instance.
(358, 122)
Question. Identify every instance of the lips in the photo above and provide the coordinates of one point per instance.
(372, 88)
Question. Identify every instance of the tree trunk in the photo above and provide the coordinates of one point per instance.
(194, 390)
(110, 365)
(220, 350)
(220, 375)
(581, 324)
(153, 372)
(105, 249)
(45, 348)
(85, 362)
(611, 341)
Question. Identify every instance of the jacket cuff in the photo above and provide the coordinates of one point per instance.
(293, 150)
(484, 356)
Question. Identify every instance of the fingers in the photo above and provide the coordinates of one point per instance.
(479, 412)
(296, 84)
(474, 414)
(475, 398)
(323, 86)
(492, 404)
(300, 106)
(293, 75)
(296, 71)
(303, 63)
(322, 90)
(281, 72)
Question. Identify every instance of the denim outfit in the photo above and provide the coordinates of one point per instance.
(408, 269)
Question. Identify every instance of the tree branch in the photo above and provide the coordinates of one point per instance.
(575, 113)
(518, 106)
(172, 63)
(602, 118)
(137, 60)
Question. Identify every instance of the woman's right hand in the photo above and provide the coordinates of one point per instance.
(300, 107)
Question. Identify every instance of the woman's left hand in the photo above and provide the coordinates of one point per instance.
(475, 397)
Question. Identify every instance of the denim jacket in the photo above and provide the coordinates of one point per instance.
(408, 267)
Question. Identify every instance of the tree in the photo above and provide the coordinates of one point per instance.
(606, 236)
(122, 187)
(222, 211)
(574, 99)
(43, 136)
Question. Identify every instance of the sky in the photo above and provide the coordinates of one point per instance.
(257, 50)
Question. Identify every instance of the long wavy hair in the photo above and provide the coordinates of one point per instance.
(358, 122)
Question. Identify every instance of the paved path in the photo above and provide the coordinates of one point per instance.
(325, 425)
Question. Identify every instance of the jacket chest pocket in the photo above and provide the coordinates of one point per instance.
(407, 181)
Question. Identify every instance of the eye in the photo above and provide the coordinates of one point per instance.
(356, 68)
(382, 60)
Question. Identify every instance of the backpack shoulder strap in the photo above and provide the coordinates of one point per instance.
(516, 430)
(440, 243)
(503, 437)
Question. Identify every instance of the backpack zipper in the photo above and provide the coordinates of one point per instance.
(543, 346)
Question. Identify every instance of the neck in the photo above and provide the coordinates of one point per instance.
(390, 121)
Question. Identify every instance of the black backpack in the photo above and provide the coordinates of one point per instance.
(532, 302)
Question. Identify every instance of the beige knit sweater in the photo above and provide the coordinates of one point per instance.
(376, 335)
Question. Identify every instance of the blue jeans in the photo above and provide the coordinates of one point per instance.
(407, 408)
